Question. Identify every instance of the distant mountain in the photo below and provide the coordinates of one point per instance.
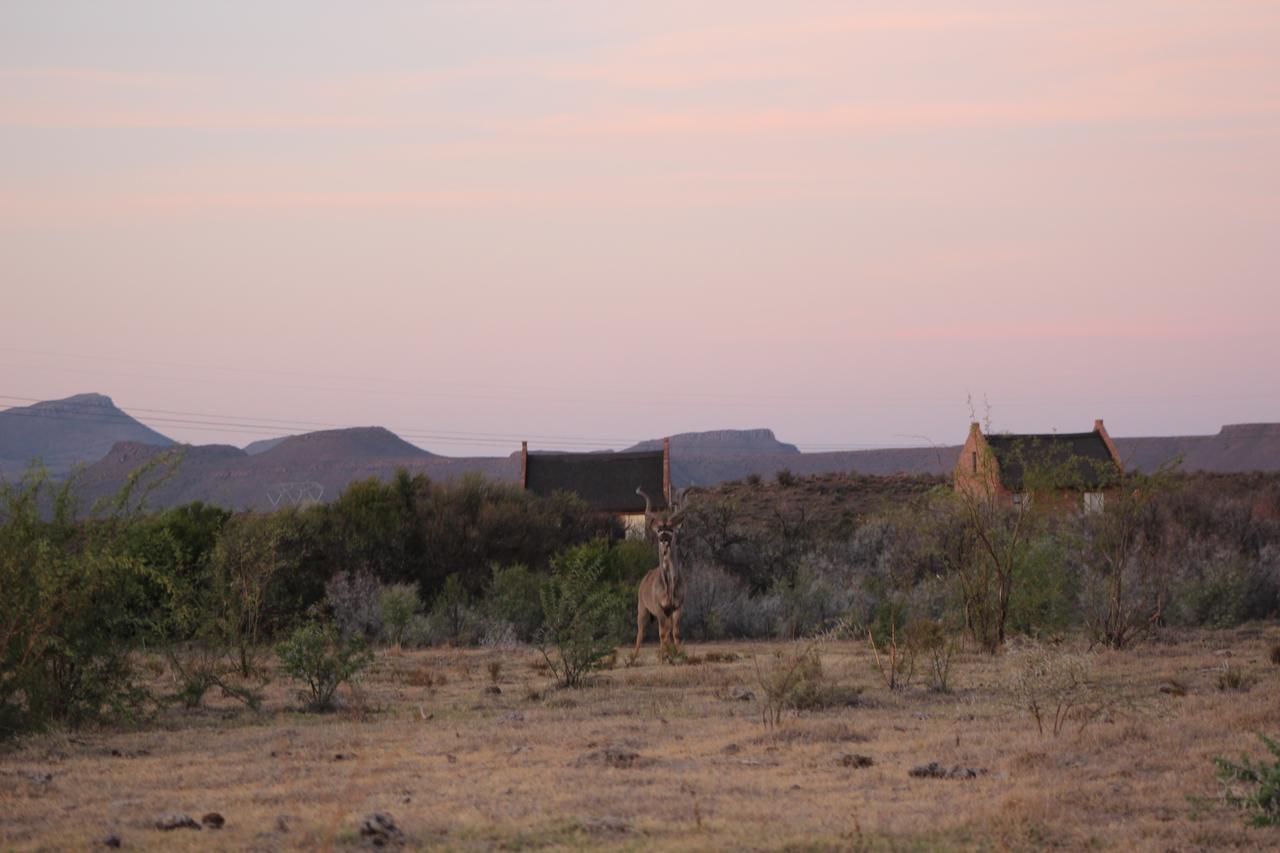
(64, 433)
(707, 458)
(318, 465)
(727, 442)
(262, 445)
(1236, 447)
(351, 443)
(352, 446)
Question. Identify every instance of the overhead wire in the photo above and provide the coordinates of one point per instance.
(280, 428)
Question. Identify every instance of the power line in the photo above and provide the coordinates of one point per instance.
(241, 428)
(275, 427)
(303, 426)
(537, 390)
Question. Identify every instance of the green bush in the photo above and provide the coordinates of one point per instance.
(1253, 787)
(630, 560)
(451, 615)
(71, 608)
(1045, 591)
(214, 617)
(246, 563)
(579, 615)
(397, 605)
(316, 654)
(176, 546)
(512, 598)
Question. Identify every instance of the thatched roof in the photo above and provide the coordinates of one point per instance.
(605, 481)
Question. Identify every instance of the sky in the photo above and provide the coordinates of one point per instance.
(589, 223)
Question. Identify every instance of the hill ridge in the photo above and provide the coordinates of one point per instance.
(63, 433)
(243, 478)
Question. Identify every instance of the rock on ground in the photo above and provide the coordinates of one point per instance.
(934, 770)
(177, 820)
(381, 830)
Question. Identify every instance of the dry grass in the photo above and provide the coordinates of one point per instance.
(666, 756)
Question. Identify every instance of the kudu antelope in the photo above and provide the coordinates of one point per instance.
(661, 592)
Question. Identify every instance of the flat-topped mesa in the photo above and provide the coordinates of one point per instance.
(1258, 430)
(726, 441)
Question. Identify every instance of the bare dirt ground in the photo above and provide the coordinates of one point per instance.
(669, 756)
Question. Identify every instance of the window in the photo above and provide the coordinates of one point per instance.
(1094, 502)
(634, 524)
(975, 462)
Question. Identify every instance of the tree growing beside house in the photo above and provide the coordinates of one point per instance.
(1006, 488)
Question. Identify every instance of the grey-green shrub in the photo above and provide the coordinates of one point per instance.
(712, 598)
(1213, 590)
(398, 603)
(352, 598)
(809, 604)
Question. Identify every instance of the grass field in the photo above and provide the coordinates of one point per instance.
(670, 756)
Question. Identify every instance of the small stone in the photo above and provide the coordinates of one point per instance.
(213, 820)
(343, 756)
(493, 689)
(111, 840)
(37, 777)
(380, 828)
(928, 771)
(742, 694)
(177, 820)
(934, 770)
(853, 759)
(614, 756)
(731, 749)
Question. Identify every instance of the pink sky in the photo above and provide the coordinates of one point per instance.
(598, 223)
